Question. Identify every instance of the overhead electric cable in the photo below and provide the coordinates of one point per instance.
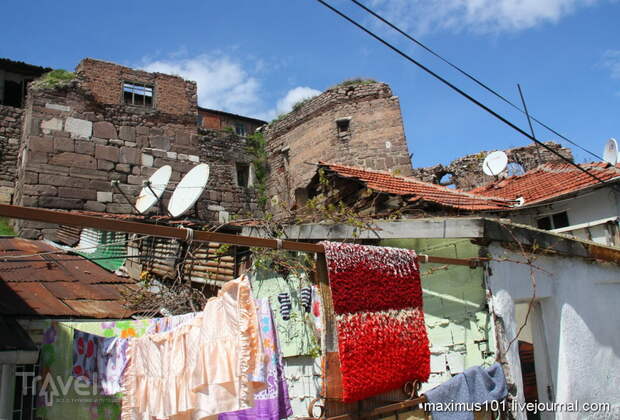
(470, 76)
(458, 90)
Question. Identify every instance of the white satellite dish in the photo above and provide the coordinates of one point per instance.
(188, 190)
(610, 154)
(153, 189)
(495, 163)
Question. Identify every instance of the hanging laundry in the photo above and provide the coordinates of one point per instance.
(285, 305)
(474, 386)
(305, 296)
(104, 358)
(199, 369)
(296, 336)
(377, 297)
(85, 347)
(273, 402)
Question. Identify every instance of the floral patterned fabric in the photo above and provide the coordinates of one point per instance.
(60, 395)
(273, 402)
(377, 296)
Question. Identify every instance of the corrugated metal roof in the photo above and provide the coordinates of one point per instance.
(57, 284)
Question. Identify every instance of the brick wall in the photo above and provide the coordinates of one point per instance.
(104, 80)
(10, 136)
(466, 172)
(74, 146)
(375, 138)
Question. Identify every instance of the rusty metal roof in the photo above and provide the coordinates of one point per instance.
(57, 284)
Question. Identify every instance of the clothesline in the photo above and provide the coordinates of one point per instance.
(72, 219)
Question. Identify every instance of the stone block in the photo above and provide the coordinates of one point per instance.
(88, 173)
(193, 158)
(129, 155)
(135, 170)
(182, 138)
(42, 168)
(74, 160)
(142, 130)
(105, 165)
(160, 142)
(123, 167)
(86, 147)
(30, 178)
(60, 133)
(94, 206)
(104, 130)
(127, 133)
(40, 190)
(61, 181)
(41, 144)
(30, 201)
(158, 153)
(97, 140)
(79, 128)
(60, 203)
(117, 142)
(118, 208)
(5, 198)
(63, 144)
(147, 160)
(134, 180)
(104, 196)
(53, 124)
(100, 185)
(58, 107)
(147, 171)
(171, 155)
(37, 157)
(115, 176)
(142, 140)
(110, 153)
(130, 144)
(83, 193)
(182, 156)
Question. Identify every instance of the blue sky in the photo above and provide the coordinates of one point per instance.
(257, 58)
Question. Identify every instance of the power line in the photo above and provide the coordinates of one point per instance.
(458, 90)
(470, 76)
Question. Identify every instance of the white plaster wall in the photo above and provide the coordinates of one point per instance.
(591, 206)
(579, 316)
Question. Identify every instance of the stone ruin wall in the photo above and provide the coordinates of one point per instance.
(73, 147)
(11, 120)
(305, 136)
(466, 172)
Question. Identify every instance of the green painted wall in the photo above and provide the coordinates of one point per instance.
(459, 325)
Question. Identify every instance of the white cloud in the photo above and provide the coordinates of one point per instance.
(611, 61)
(423, 16)
(225, 84)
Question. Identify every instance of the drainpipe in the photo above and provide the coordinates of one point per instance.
(7, 391)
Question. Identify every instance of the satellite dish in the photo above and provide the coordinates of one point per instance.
(495, 163)
(610, 154)
(153, 189)
(188, 190)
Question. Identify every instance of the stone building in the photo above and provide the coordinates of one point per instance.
(114, 123)
(357, 123)
(220, 120)
(466, 172)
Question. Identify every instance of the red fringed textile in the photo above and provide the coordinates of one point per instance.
(377, 298)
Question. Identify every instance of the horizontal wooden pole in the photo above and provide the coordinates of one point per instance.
(114, 225)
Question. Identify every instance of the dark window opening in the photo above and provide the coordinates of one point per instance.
(343, 126)
(199, 120)
(13, 93)
(240, 129)
(243, 174)
(138, 94)
(554, 221)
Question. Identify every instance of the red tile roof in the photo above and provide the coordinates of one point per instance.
(548, 181)
(60, 285)
(418, 191)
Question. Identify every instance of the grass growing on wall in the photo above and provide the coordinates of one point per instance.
(54, 78)
(5, 228)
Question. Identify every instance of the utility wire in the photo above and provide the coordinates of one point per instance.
(458, 90)
(470, 76)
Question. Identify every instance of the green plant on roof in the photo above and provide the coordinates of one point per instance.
(54, 78)
(356, 81)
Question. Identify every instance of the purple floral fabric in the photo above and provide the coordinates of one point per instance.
(273, 402)
(111, 363)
